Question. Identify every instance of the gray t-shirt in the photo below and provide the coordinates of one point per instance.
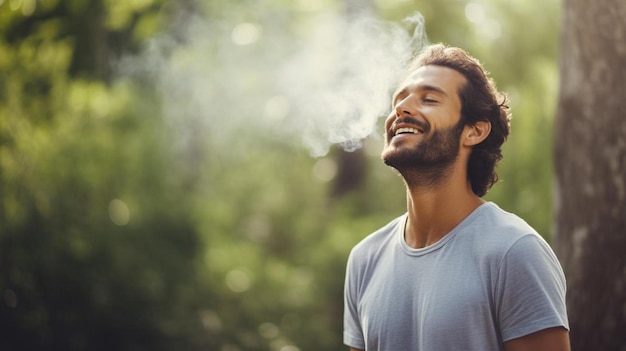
(491, 279)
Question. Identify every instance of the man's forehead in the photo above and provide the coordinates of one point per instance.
(433, 75)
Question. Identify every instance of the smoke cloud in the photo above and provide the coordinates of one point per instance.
(325, 82)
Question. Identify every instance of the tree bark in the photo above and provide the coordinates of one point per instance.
(590, 166)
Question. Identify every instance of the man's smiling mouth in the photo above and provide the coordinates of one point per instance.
(407, 130)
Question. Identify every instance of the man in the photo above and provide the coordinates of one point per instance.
(454, 272)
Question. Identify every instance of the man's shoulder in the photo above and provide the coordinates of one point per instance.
(502, 223)
(498, 230)
(379, 239)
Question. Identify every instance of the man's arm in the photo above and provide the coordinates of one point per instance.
(551, 339)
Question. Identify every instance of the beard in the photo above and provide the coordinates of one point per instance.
(431, 160)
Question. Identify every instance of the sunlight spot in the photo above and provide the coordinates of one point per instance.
(246, 33)
(475, 13)
(238, 280)
(100, 103)
(289, 348)
(325, 169)
(28, 7)
(276, 108)
(269, 330)
(15, 4)
(119, 212)
(211, 321)
(487, 27)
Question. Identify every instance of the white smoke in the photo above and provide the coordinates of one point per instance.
(327, 85)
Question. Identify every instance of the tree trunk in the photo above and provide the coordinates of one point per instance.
(590, 166)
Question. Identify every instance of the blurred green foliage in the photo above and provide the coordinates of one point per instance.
(117, 235)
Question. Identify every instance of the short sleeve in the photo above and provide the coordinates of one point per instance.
(352, 331)
(530, 291)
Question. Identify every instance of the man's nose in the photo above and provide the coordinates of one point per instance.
(406, 107)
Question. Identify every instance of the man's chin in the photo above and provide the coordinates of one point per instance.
(386, 155)
(397, 159)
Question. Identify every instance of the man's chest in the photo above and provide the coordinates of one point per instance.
(425, 302)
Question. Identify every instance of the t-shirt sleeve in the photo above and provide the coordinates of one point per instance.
(530, 292)
(352, 331)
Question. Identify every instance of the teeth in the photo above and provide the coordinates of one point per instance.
(407, 130)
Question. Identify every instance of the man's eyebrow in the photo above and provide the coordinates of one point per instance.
(432, 88)
(421, 87)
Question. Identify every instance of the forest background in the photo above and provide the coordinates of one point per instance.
(161, 192)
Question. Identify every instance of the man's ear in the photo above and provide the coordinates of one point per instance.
(474, 134)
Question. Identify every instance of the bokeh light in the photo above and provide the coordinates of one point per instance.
(119, 212)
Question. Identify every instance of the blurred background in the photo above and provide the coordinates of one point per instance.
(192, 174)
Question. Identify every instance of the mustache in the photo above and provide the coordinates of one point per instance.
(409, 120)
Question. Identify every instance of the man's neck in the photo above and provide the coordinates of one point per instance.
(434, 211)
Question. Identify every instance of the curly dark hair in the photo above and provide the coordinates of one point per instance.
(480, 101)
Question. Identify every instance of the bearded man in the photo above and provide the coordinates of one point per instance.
(454, 272)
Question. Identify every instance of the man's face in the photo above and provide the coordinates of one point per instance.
(424, 128)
